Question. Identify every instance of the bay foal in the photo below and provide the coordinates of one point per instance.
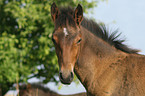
(103, 64)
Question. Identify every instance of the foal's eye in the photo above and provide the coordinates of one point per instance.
(79, 41)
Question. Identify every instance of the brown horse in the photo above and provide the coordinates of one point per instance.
(40, 90)
(103, 64)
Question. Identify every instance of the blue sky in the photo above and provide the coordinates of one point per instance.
(128, 16)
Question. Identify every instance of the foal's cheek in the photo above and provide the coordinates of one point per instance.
(75, 52)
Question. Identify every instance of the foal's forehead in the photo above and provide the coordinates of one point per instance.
(66, 30)
(65, 24)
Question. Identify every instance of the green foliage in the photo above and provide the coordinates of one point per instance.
(25, 39)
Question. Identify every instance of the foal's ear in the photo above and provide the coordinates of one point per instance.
(78, 15)
(54, 12)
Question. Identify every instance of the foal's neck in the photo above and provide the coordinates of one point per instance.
(95, 57)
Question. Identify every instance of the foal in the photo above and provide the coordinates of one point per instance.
(103, 64)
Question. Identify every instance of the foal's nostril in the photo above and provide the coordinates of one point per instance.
(60, 75)
(72, 75)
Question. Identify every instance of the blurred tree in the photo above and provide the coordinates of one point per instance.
(26, 49)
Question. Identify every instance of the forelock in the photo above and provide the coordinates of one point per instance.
(65, 17)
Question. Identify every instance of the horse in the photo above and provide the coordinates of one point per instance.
(101, 61)
(40, 90)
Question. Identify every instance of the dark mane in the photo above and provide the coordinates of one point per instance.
(99, 30)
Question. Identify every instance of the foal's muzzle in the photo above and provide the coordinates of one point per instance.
(66, 77)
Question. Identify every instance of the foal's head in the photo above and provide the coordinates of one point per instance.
(66, 38)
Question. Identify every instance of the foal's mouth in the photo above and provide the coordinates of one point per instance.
(65, 82)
